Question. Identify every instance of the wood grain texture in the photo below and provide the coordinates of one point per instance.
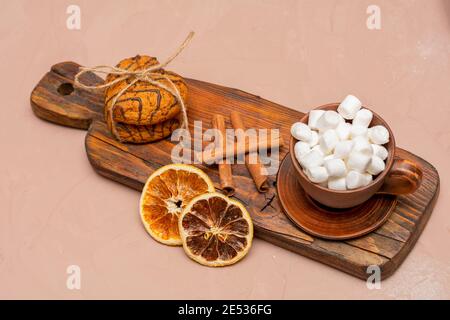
(131, 164)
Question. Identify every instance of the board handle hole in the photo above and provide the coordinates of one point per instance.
(65, 89)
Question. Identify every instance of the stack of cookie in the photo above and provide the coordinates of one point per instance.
(143, 112)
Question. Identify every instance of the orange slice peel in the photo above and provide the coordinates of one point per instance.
(166, 193)
(215, 230)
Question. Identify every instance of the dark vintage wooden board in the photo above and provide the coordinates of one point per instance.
(54, 99)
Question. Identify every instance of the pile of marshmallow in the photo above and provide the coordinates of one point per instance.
(337, 154)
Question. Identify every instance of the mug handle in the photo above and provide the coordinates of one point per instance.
(404, 177)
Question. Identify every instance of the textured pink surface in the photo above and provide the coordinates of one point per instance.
(55, 211)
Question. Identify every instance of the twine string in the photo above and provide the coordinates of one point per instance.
(149, 75)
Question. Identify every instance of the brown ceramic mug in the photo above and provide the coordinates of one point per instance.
(399, 177)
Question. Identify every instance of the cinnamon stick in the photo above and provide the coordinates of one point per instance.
(256, 168)
(225, 173)
(239, 150)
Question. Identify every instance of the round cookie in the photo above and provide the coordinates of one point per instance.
(144, 103)
(130, 133)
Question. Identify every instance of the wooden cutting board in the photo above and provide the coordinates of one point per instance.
(55, 100)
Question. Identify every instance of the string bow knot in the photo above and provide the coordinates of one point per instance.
(150, 75)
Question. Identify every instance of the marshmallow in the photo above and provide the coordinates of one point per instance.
(358, 161)
(367, 179)
(340, 155)
(328, 120)
(363, 118)
(343, 149)
(357, 130)
(319, 149)
(349, 107)
(314, 138)
(376, 165)
(354, 179)
(314, 158)
(328, 141)
(313, 116)
(379, 151)
(317, 174)
(335, 167)
(301, 148)
(337, 184)
(301, 131)
(378, 135)
(343, 130)
(362, 145)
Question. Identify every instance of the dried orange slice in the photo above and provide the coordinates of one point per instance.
(216, 230)
(167, 191)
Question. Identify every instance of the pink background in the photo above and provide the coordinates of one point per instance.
(55, 211)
